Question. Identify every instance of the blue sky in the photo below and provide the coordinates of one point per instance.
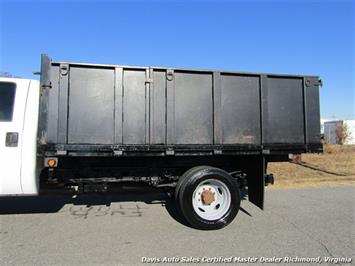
(296, 37)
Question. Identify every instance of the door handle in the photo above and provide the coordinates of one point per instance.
(11, 139)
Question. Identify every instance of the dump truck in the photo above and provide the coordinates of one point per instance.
(202, 136)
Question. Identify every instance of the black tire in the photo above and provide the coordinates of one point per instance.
(185, 176)
(183, 179)
(186, 187)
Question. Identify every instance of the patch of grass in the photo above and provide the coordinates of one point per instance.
(336, 158)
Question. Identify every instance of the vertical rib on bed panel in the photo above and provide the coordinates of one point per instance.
(118, 105)
(312, 114)
(52, 128)
(217, 108)
(63, 104)
(147, 106)
(170, 107)
(157, 107)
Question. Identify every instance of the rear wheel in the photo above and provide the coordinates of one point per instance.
(208, 197)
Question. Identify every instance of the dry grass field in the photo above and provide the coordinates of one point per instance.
(337, 161)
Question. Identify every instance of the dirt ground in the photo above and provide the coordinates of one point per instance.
(336, 166)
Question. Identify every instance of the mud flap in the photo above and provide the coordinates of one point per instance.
(256, 181)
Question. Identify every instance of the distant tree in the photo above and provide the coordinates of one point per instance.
(342, 133)
(4, 74)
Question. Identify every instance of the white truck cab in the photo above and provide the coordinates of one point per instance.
(19, 105)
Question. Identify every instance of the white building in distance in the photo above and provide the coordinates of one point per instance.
(329, 128)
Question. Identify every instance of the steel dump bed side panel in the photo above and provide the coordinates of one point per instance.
(121, 109)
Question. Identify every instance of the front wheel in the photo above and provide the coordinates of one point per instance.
(208, 197)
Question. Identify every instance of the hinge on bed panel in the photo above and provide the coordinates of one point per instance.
(320, 82)
(170, 74)
(149, 80)
(149, 76)
(64, 69)
(46, 86)
(307, 82)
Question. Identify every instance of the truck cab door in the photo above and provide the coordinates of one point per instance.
(13, 94)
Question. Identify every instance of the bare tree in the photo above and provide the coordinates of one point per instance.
(4, 74)
(342, 133)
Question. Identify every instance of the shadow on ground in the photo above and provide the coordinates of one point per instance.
(54, 203)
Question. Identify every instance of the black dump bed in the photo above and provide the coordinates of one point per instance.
(90, 109)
